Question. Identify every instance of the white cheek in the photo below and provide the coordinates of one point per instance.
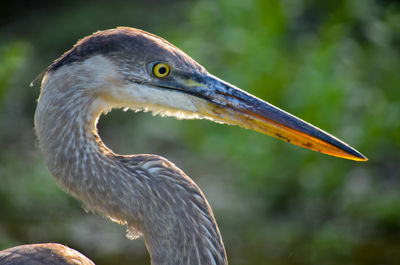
(159, 101)
(107, 85)
(163, 97)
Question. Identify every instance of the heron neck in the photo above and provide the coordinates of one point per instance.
(145, 192)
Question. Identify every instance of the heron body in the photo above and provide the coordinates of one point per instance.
(43, 254)
(130, 68)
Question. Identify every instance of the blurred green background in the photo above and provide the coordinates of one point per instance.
(335, 64)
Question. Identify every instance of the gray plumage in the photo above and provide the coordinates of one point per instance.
(43, 254)
(119, 68)
(147, 193)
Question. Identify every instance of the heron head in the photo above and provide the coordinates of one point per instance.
(131, 68)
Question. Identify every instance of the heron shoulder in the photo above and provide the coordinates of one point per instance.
(177, 210)
(168, 182)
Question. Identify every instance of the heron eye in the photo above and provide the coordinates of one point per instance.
(161, 70)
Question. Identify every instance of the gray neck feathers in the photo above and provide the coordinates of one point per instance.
(146, 192)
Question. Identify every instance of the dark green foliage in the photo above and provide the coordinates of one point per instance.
(335, 64)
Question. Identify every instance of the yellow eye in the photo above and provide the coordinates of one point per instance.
(161, 70)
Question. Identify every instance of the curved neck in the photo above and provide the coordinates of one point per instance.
(146, 192)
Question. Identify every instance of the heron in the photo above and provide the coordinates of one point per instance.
(130, 68)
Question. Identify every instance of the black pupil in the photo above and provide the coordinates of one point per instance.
(162, 70)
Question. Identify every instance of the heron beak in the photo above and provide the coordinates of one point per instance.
(225, 103)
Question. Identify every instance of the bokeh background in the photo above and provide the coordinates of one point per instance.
(335, 64)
